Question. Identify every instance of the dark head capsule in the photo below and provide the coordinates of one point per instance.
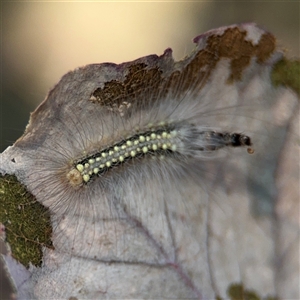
(239, 140)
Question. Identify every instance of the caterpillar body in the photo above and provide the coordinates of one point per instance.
(184, 139)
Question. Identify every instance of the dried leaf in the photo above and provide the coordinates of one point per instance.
(191, 224)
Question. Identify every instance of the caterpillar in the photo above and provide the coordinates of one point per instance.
(154, 142)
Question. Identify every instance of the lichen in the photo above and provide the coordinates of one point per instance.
(26, 221)
(287, 72)
(236, 291)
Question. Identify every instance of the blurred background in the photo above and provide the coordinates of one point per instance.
(41, 41)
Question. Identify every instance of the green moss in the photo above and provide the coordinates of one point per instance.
(27, 222)
(236, 291)
(287, 72)
(271, 298)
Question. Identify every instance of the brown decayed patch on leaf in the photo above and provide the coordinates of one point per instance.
(139, 78)
(232, 44)
(265, 47)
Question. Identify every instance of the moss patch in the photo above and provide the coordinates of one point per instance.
(236, 291)
(287, 72)
(27, 222)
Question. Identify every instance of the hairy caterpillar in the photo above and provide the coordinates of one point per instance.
(187, 140)
(127, 159)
